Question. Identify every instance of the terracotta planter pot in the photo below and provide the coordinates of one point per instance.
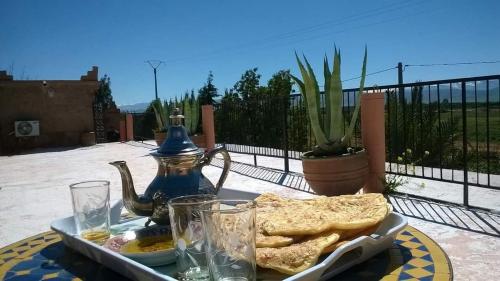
(199, 140)
(160, 137)
(336, 175)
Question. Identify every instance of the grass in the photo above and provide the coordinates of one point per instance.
(482, 125)
(483, 138)
(477, 123)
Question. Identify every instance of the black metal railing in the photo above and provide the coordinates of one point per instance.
(446, 130)
(144, 125)
(272, 126)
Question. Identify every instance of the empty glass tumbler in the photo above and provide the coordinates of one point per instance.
(91, 210)
(229, 227)
(187, 232)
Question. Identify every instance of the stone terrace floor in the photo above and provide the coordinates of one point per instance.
(34, 191)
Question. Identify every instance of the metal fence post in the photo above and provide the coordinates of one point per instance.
(464, 145)
(285, 133)
(402, 102)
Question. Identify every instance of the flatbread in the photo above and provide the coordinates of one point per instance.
(334, 247)
(269, 198)
(348, 236)
(292, 233)
(273, 199)
(297, 257)
(262, 240)
(308, 217)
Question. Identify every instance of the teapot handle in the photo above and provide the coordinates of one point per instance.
(227, 163)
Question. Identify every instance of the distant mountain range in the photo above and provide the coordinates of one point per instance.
(137, 108)
(454, 94)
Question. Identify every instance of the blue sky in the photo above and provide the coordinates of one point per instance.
(47, 40)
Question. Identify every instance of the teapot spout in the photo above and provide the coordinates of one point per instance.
(134, 203)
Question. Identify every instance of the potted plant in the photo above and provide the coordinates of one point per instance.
(191, 120)
(162, 121)
(332, 167)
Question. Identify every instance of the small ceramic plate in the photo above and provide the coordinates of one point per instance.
(151, 246)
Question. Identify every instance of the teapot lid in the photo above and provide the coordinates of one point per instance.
(177, 142)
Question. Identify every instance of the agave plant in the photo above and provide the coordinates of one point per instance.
(329, 133)
(191, 114)
(161, 114)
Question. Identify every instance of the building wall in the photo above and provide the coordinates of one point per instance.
(63, 108)
(111, 120)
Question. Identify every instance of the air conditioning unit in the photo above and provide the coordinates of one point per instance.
(27, 128)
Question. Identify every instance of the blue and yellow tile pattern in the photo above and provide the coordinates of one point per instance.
(414, 256)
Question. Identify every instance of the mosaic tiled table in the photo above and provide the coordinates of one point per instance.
(414, 256)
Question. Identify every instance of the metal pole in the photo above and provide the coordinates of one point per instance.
(154, 65)
(285, 133)
(156, 86)
(403, 104)
(400, 73)
(464, 145)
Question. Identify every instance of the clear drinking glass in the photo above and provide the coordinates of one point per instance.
(91, 209)
(187, 232)
(229, 227)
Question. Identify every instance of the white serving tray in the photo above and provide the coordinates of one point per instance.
(348, 255)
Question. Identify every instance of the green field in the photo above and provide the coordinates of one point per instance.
(483, 139)
(477, 123)
(481, 123)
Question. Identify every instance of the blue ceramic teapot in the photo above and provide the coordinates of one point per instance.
(179, 173)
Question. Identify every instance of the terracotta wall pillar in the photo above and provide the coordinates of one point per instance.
(130, 127)
(373, 135)
(207, 116)
(123, 131)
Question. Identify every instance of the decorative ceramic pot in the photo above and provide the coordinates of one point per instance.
(336, 175)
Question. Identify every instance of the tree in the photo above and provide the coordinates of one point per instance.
(280, 84)
(193, 98)
(279, 88)
(103, 95)
(248, 86)
(230, 96)
(186, 97)
(208, 92)
(229, 124)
